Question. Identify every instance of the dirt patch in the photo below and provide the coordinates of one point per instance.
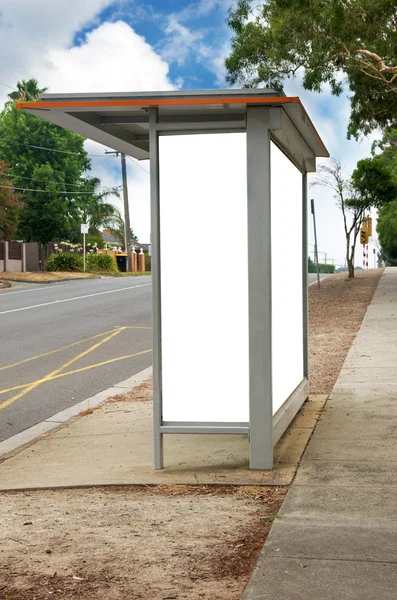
(336, 311)
(41, 276)
(4, 284)
(195, 542)
(141, 393)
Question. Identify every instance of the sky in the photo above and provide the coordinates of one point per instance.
(137, 45)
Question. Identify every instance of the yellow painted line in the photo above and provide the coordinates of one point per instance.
(101, 364)
(35, 384)
(93, 337)
(106, 362)
(22, 362)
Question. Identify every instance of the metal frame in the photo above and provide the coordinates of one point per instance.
(156, 290)
(266, 116)
(262, 125)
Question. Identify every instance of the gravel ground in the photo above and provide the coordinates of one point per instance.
(158, 543)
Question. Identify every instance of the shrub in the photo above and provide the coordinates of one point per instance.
(101, 262)
(148, 262)
(64, 261)
(95, 240)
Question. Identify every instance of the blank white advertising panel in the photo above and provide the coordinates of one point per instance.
(287, 301)
(204, 277)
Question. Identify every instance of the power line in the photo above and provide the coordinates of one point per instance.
(138, 165)
(7, 86)
(50, 149)
(14, 176)
(10, 187)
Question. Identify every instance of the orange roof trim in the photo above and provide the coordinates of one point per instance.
(160, 102)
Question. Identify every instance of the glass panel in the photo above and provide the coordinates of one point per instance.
(204, 277)
(287, 308)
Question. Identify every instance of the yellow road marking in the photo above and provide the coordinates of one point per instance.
(21, 362)
(106, 362)
(35, 384)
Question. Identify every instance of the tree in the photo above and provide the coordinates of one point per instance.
(94, 209)
(10, 204)
(46, 214)
(27, 144)
(351, 203)
(27, 91)
(387, 230)
(374, 182)
(344, 44)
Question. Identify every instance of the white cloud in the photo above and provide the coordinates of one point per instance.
(29, 28)
(112, 58)
(180, 42)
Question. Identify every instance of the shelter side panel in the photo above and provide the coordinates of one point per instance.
(287, 302)
(204, 277)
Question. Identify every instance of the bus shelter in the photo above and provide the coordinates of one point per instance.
(228, 179)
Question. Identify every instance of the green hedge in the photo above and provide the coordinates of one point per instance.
(64, 261)
(101, 263)
(323, 268)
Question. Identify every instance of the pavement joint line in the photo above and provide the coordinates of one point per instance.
(4, 312)
(329, 559)
(23, 438)
(31, 386)
(106, 362)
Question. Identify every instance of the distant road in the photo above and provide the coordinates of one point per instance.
(313, 276)
(64, 342)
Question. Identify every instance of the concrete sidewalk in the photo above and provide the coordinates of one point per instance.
(337, 533)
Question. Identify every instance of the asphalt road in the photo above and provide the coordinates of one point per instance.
(64, 342)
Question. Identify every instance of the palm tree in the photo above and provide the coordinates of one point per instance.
(95, 210)
(28, 91)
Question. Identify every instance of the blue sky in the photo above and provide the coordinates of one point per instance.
(134, 45)
(184, 32)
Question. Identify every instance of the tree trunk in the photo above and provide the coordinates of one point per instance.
(350, 266)
(349, 260)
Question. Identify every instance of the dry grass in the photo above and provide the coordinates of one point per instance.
(37, 277)
(336, 311)
(141, 393)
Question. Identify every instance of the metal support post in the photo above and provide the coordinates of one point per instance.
(305, 303)
(260, 289)
(156, 287)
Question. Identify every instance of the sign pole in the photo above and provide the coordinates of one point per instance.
(84, 230)
(315, 241)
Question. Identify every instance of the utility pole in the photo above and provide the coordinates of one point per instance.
(127, 226)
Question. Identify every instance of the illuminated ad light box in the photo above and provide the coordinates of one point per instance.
(228, 177)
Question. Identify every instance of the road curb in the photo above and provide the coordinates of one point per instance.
(46, 281)
(24, 438)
